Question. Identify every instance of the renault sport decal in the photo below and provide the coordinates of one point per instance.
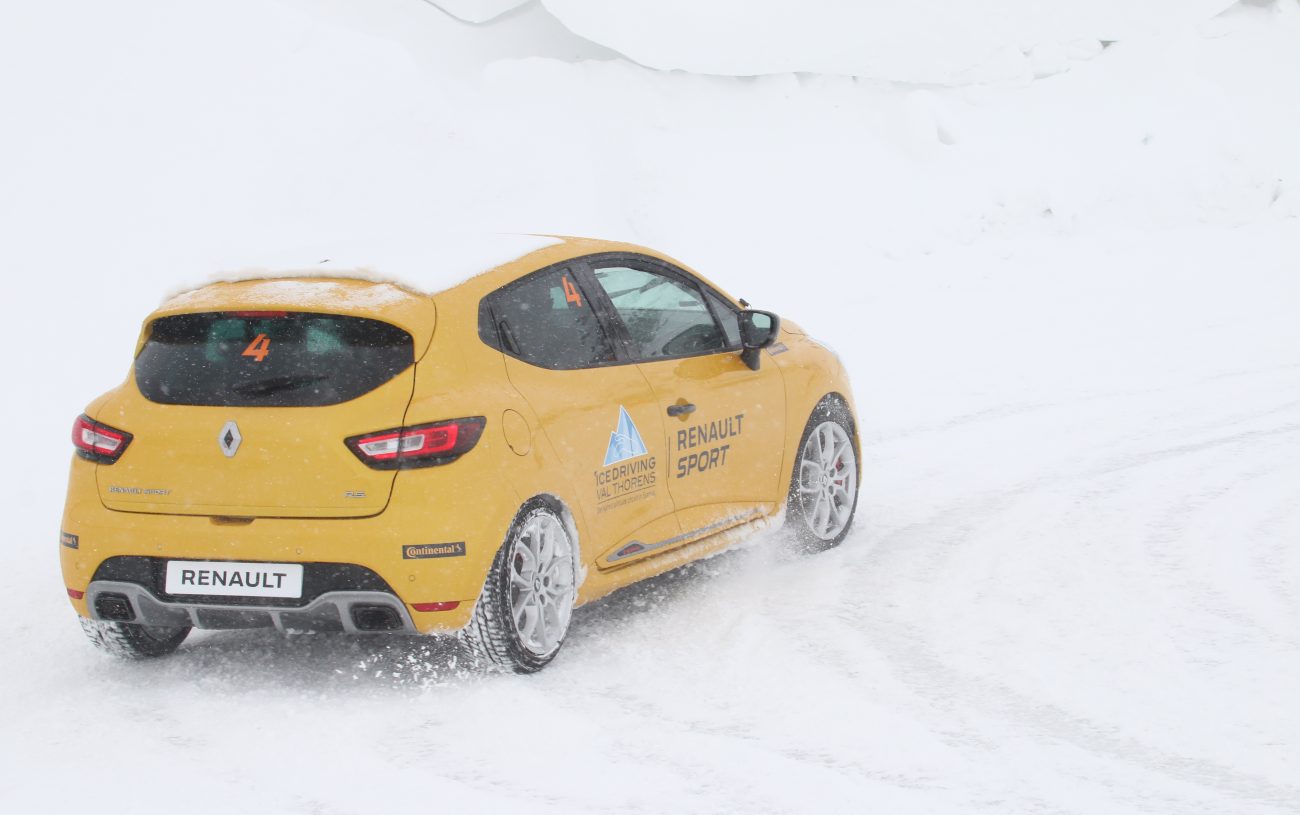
(625, 442)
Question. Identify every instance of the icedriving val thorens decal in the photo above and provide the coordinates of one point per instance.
(628, 472)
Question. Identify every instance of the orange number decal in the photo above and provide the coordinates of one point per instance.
(570, 293)
(258, 348)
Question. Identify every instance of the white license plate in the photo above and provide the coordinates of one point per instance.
(234, 579)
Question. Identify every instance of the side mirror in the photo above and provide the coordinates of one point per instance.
(758, 329)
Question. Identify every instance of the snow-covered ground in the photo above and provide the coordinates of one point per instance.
(930, 41)
(1069, 306)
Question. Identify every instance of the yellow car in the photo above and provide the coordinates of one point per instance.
(313, 452)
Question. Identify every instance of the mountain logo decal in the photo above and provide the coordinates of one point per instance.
(625, 442)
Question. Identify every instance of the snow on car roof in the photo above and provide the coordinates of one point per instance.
(425, 265)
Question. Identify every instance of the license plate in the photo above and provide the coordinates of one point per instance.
(234, 579)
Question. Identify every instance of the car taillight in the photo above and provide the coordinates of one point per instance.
(419, 446)
(447, 605)
(98, 442)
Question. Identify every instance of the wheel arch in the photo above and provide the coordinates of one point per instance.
(798, 425)
(835, 397)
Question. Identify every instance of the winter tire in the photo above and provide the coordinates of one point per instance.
(824, 484)
(523, 613)
(134, 641)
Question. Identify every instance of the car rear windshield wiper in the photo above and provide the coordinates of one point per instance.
(642, 289)
(275, 384)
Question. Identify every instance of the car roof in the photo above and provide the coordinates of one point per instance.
(393, 284)
(427, 266)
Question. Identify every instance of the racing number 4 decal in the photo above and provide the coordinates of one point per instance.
(258, 348)
(570, 293)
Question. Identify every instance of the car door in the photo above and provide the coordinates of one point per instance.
(724, 421)
(601, 416)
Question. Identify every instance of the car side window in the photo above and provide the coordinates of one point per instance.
(545, 319)
(664, 315)
(727, 315)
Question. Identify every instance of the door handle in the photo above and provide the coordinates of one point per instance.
(681, 409)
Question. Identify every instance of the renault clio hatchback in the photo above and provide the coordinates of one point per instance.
(307, 452)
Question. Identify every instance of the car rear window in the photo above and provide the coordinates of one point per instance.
(270, 359)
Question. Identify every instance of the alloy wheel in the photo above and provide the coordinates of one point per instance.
(828, 473)
(542, 586)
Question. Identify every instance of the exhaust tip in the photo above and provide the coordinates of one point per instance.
(376, 618)
(114, 607)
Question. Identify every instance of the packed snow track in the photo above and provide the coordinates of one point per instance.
(1068, 305)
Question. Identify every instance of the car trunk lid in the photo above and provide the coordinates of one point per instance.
(242, 396)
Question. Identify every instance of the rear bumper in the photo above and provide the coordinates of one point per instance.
(335, 597)
(401, 548)
(354, 612)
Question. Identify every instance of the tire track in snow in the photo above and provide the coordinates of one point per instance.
(941, 683)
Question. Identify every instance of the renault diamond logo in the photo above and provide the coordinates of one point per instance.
(229, 439)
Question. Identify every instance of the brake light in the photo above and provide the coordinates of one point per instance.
(256, 314)
(98, 442)
(420, 446)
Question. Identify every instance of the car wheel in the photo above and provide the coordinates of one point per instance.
(523, 613)
(133, 640)
(824, 484)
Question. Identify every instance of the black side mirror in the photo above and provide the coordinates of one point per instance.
(758, 329)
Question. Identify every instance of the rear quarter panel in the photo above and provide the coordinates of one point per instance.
(462, 376)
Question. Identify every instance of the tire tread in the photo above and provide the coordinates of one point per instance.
(128, 640)
(490, 633)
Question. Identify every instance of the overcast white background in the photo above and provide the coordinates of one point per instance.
(1057, 245)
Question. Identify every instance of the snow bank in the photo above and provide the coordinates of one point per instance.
(948, 42)
(449, 37)
(1068, 310)
(477, 11)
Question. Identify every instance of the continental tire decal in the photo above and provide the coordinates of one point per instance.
(429, 550)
